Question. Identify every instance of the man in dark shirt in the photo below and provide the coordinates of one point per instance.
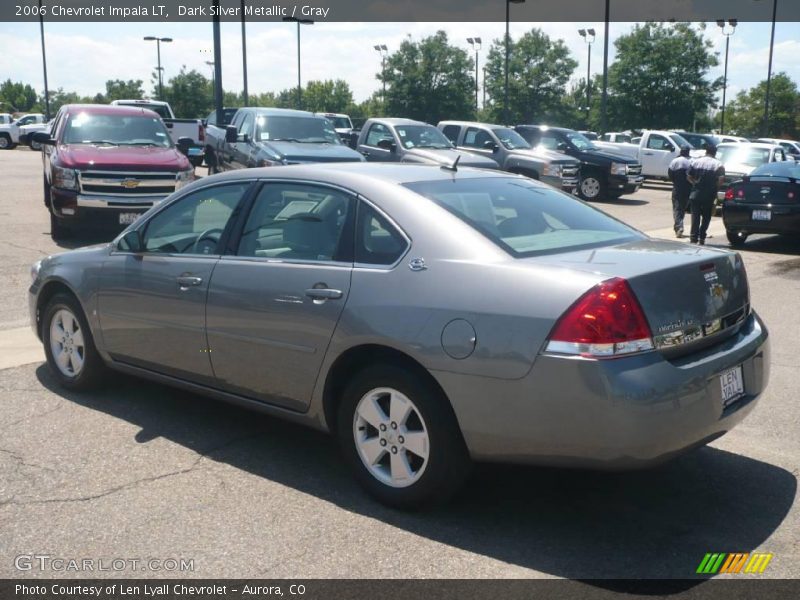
(681, 188)
(706, 175)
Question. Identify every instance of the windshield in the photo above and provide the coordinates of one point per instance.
(778, 169)
(580, 141)
(422, 136)
(743, 155)
(116, 130)
(309, 130)
(510, 138)
(524, 218)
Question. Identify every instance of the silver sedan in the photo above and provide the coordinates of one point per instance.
(428, 317)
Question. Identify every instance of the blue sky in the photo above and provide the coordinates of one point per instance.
(82, 56)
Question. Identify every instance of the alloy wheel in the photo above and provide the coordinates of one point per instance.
(590, 187)
(66, 343)
(391, 437)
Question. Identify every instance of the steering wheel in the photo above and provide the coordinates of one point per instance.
(208, 240)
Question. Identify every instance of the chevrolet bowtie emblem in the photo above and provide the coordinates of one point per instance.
(129, 184)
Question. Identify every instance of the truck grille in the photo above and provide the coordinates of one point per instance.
(128, 184)
(635, 170)
(569, 171)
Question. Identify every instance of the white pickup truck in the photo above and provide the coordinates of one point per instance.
(178, 128)
(9, 132)
(654, 151)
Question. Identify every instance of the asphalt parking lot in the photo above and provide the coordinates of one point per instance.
(139, 471)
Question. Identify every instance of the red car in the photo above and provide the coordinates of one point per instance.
(106, 165)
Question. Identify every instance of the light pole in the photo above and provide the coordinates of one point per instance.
(484, 88)
(299, 87)
(765, 125)
(158, 40)
(588, 36)
(244, 57)
(508, 51)
(210, 63)
(727, 32)
(44, 65)
(384, 52)
(476, 45)
(604, 100)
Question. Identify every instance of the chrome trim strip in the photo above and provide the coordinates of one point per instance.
(104, 201)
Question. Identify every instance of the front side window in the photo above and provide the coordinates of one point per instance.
(247, 125)
(510, 138)
(657, 142)
(451, 132)
(549, 141)
(377, 133)
(580, 141)
(477, 138)
(194, 224)
(377, 241)
(115, 130)
(298, 222)
(523, 218)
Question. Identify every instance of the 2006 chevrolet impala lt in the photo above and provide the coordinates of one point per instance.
(427, 316)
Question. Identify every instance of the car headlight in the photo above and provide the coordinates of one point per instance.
(35, 267)
(66, 179)
(552, 170)
(184, 178)
(619, 168)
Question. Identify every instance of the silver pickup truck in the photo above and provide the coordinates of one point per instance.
(513, 153)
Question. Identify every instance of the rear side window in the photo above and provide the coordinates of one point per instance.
(377, 241)
(524, 218)
(451, 132)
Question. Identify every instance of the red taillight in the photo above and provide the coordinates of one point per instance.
(729, 194)
(606, 321)
(201, 132)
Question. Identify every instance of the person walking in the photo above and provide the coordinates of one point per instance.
(706, 175)
(678, 173)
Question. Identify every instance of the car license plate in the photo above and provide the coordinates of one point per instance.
(762, 215)
(195, 151)
(127, 218)
(732, 385)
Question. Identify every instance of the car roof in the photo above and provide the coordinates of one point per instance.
(470, 124)
(270, 111)
(345, 173)
(398, 121)
(110, 109)
(547, 127)
(331, 114)
(139, 101)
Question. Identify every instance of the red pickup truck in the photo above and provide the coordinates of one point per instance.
(106, 165)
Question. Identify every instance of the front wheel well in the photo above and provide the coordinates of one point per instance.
(49, 290)
(358, 358)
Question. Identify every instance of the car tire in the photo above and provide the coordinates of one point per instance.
(57, 230)
(35, 146)
(5, 142)
(591, 187)
(736, 238)
(46, 186)
(428, 464)
(69, 346)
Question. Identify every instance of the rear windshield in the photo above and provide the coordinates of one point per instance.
(115, 130)
(743, 154)
(340, 122)
(778, 169)
(525, 218)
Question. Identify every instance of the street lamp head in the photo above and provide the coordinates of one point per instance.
(377, 47)
(733, 22)
(166, 39)
(591, 32)
(470, 41)
(149, 38)
(477, 40)
(582, 32)
(384, 48)
(721, 23)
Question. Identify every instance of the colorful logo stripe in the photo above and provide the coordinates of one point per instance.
(735, 562)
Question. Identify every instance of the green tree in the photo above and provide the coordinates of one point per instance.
(190, 94)
(118, 89)
(429, 80)
(659, 78)
(59, 98)
(327, 96)
(17, 97)
(745, 115)
(538, 71)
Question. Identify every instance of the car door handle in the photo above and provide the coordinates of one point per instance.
(324, 294)
(186, 281)
(364, 152)
(648, 154)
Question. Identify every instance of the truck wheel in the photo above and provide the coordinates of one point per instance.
(591, 187)
(5, 142)
(401, 438)
(57, 230)
(35, 145)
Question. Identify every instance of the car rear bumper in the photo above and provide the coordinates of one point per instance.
(610, 414)
(739, 217)
(106, 212)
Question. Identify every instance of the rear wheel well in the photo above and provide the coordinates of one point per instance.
(361, 357)
(48, 291)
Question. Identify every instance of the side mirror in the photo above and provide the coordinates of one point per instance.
(231, 134)
(671, 148)
(387, 145)
(490, 145)
(184, 143)
(43, 137)
(243, 138)
(131, 242)
(561, 147)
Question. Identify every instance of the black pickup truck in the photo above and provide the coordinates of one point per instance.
(603, 174)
